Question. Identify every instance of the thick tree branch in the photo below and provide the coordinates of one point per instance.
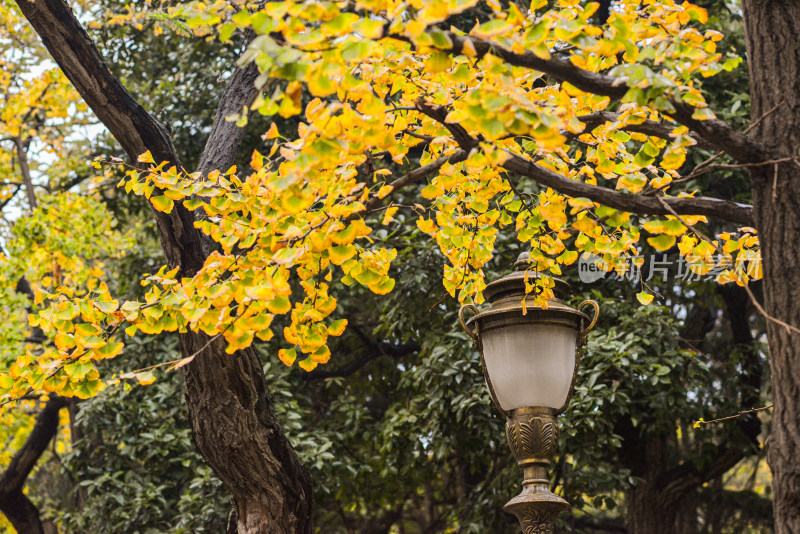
(687, 477)
(416, 175)
(135, 129)
(637, 204)
(16, 506)
(22, 156)
(226, 137)
(715, 132)
(651, 128)
(439, 113)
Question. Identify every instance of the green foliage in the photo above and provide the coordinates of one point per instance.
(134, 460)
(634, 373)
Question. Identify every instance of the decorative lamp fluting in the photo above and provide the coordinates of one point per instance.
(530, 356)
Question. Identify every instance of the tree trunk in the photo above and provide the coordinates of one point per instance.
(645, 516)
(663, 502)
(773, 49)
(236, 431)
(646, 456)
(16, 506)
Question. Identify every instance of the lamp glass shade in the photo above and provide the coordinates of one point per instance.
(530, 364)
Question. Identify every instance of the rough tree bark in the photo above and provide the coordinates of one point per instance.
(233, 422)
(16, 506)
(772, 28)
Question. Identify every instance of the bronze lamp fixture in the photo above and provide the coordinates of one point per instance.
(530, 358)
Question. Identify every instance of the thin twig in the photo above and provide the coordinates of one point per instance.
(789, 328)
(764, 116)
(741, 413)
(705, 165)
(757, 164)
(699, 234)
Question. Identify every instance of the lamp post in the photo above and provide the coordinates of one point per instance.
(530, 358)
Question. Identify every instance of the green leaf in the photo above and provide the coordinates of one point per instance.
(643, 159)
(6, 382)
(162, 203)
(662, 243)
(242, 18)
(356, 50)
(440, 39)
(703, 114)
(106, 306)
(279, 305)
(226, 31)
(645, 299)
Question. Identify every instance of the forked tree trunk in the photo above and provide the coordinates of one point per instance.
(773, 49)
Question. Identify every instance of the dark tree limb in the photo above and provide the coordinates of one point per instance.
(636, 204)
(16, 506)
(439, 113)
(226, 137)
(22, 156)
(714, 131)
(416, 175)
(648, 127)
(135, 129)
(685, 478)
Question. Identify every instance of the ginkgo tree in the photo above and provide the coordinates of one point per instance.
(600, 115)
(40, 110)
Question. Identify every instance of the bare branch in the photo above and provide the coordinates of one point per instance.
(735, 416)
(22, 155)
(789, 328)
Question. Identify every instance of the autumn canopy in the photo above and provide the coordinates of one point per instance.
(518, 96)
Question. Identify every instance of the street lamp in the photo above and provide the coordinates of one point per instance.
(530, 358)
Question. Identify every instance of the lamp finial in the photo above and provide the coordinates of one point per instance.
(523, 262)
